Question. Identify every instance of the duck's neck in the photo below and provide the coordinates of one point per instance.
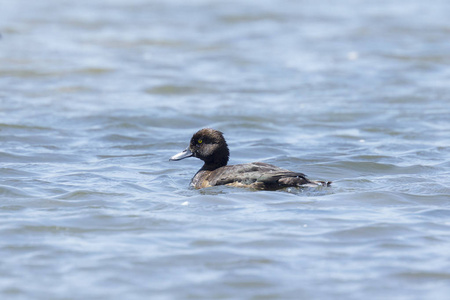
(217, 161)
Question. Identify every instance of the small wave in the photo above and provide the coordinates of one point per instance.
(9, 191)
(90, 195)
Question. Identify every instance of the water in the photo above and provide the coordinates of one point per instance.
(96, 96)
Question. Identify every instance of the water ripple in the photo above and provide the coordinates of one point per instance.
(92, 109)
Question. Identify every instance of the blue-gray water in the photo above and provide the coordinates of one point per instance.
(96, 96)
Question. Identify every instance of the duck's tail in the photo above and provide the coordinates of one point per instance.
(299, 179)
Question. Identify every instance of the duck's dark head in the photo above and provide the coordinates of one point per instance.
(210, 146)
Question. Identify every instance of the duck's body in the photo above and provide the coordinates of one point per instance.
(255, 175)
(209, 145)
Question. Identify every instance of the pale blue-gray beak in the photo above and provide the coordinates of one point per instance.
(186, 153)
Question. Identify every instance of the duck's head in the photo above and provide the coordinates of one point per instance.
(208, 145)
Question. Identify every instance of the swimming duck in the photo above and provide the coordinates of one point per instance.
(210, 146)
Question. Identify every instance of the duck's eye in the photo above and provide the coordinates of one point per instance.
(199, 141)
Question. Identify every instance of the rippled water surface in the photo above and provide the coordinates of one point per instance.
(95, 96)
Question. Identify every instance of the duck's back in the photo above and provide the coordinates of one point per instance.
(254, 175)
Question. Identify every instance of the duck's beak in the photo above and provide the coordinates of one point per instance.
(186, 153)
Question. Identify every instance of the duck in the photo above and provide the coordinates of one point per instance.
(209, 145)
